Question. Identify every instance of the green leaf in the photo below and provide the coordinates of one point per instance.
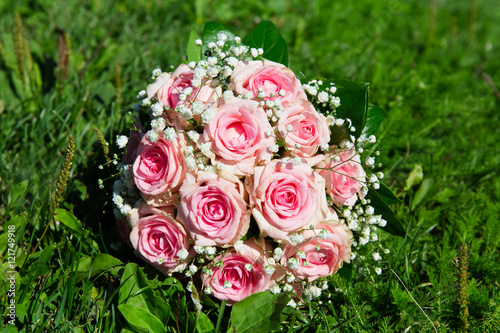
(354, 97)
(140, 319)
(69, 220)
(258, 312)
(203, 323)
(210, 32)
(374, 117)
(266, 36)
(18, 192)
(193, 51)
(346, 271)
(415, 177)
(423, 191)
(131, 283)
(387, 195)
(393, 226)
(92, 266)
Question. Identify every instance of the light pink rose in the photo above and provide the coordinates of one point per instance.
(324, 256)
(237, 136)
(309, 129)
(213, 209)
(159, 238)
(271, 77)
(168, 87)
(285, 198)
(159, 166)
(344, 179)
(243, 282)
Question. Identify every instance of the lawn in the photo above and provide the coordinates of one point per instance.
(73, 68)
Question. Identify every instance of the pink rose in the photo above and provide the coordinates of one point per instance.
(159, 166)
(285, 198)
(240, 282)
(344, 179)
(309, 129)
(271, 77)
(237, 136)
(213, 209)
(159, 238)
(168, 87)
(324, 256)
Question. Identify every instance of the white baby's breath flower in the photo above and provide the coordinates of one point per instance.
(142, 94)
(205, 148)
(297, 238)
(227, 284)
(210, 250)
(301, 254)
(287, 288)
(353, 255)
(378, 270)
(158, 124)
(182, 254)
(376, 256)
(274, 148)
(278, 252)
(198, 42)
(157, 109)
(382, 223)
(152, 136)
(155, 73)
(292, 304)
(289, 127)
(292, 263)
(193, 135)
(238, 246)
(297, 161)
(275, 289)
(190, 162)
(207, 290)
(248, 267)
(207, 115)
(199, 249)
(228, 94)
(193, 269)
(231, 61)
(323, 97)
(170, 133)
(269, 270)
(290, 278)
(324, 234)
(121, 141)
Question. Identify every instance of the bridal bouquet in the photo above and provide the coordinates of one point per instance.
(243, 178)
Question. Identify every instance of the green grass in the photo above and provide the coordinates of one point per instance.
(437, 86)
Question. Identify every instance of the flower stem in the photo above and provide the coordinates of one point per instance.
(221, 315)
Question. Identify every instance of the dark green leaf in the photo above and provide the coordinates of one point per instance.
(193, 51)
(203, 323)
(374, 117)
(260, 312)
(131, 283)
(18, 191)
(92, 266)
(266, 36)
(354, 97)
(141, 319)
(210, 32)
(393, 226)
(387, 195)
(69, 220)
(346, 271)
